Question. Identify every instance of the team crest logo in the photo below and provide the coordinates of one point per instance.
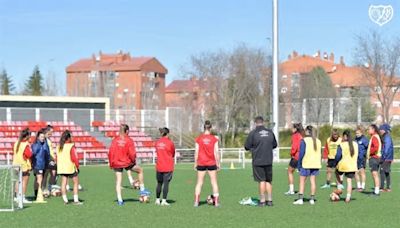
(263, 133)
(380, 14)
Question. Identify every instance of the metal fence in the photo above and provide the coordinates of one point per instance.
(339, 111)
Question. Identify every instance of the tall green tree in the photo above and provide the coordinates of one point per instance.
(6, 84)
(34, 85)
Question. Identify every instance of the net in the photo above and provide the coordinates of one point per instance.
(10, 188)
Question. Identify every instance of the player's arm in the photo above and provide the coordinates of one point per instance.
(27, 153)
(274, 142)
(132, 151)
(301, 154)
(216, 154)
(326, 150)
(338, 156)
(74, 157)
(249, 142)
(196, 154)
(173, 149)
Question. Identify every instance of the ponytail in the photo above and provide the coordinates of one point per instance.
(347, 133)
(24, 133)
(310, 131)
(66, 135)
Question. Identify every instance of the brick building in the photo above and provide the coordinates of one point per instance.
(129, 82)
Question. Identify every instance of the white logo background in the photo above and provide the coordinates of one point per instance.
(380, 14)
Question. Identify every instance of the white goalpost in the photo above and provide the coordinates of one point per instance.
(10, 188)
(232, 158)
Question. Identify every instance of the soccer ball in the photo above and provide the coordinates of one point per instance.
(46, 193)
(210, 200)
(55, 192)
(136, 185)
(144, 199)
(335, 195)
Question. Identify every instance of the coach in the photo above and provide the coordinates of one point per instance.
(261, 142)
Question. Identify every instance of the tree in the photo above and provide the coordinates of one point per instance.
(34, 85)
(317, 88)
(6, 84)
(380, 61)
(51, 87)
(238, 83)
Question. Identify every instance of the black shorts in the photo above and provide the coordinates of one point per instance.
(262, 173)
(26, 174)
(205, 168)
(346, 174)
(385, 167)
(362, 164)
(38, 171)
(119, 170)
(331, 163)
(52, 166)
(293, 163)
(70, 175)
(164, 176)
(374, 164)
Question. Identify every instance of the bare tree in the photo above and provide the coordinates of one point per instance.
(238, 82)
(51, 87)
(380, 59)
(317, 88)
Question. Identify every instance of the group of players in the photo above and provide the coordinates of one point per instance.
(40, 158)
(346, 158)
(122, 156)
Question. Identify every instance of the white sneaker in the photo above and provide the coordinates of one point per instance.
(164, 203)
(325, 186)
(289, 193)
(298, 202)
(157, 202)
(25, 201)
(312, 202)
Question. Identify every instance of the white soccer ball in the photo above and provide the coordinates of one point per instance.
(55, 192)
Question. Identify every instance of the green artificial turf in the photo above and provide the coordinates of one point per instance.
(101, 210)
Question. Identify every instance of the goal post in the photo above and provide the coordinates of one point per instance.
(232, 158)
(11, 197)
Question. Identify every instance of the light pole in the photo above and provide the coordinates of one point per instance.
(275, 94)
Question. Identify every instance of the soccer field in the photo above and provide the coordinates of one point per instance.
(101, 210)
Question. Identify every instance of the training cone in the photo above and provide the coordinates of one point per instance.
(232, 166)
(39, 197)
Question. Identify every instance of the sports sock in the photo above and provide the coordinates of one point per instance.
(348, 196)
(388, 181)
(164, 200)
(119, 198)
(269, 197)
(376, 190)
(76, 198)
(312, 197)
(197, 198)
(363, 185)
(340, 186)
(262, 198)
(131, 180)
(358, 184)
(291, 187)
(301, 196)
(64, 197)
(328, 182)
(142, 187)
(216, 198)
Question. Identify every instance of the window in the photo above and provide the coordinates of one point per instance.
(395, 89)
(283, 90)
(378, 104)
(284, 76)
(396, 104)
(378, 89)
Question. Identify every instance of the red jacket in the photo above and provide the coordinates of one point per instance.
(296, 139)
(374, 148)
(122, 152)
(206, 156)
(74, 157)
(165, 150)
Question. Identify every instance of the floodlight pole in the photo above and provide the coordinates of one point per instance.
(275, 66)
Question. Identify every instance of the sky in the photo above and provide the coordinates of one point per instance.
(53, 34)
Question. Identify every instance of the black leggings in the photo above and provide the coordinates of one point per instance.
(385, 175)
(163, 179)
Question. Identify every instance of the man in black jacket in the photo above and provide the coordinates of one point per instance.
(261, 142)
